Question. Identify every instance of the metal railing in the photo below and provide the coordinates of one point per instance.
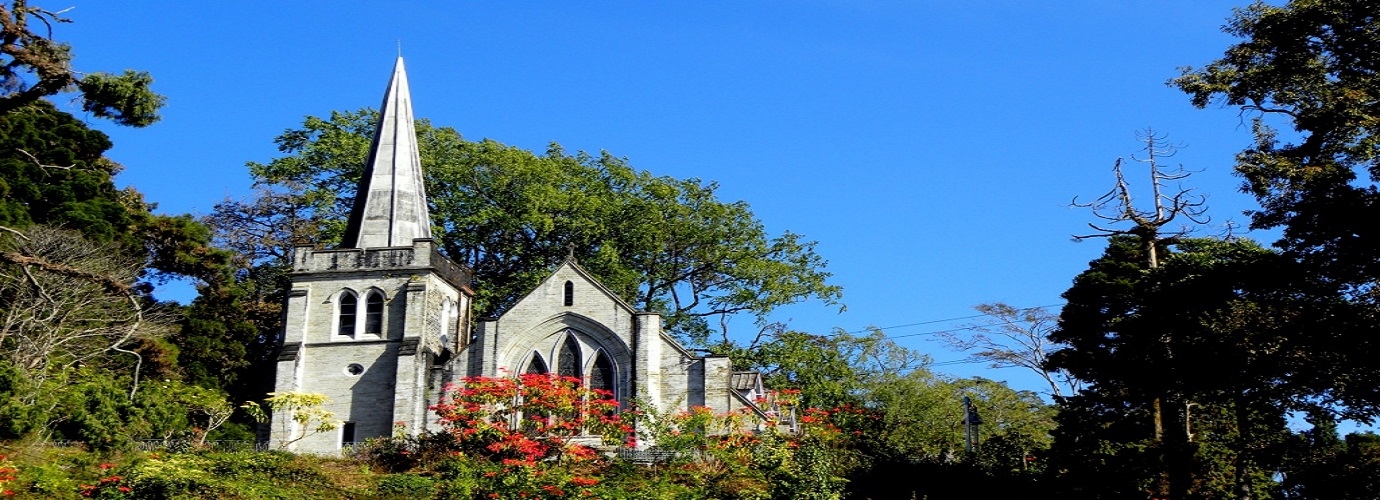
(657, 455)
(177, 445)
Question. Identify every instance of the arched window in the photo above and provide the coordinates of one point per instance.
(569, 294)
(568, 361)
(373, 313)
(349, 309)
(537, 365)
(601, 376)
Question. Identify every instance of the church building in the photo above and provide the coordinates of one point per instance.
(382, 323)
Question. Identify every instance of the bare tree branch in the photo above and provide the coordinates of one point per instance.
(1013, 337)
(1118, 206)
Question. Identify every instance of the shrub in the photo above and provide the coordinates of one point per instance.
(48, 480)
(178, 476)
(406, 485)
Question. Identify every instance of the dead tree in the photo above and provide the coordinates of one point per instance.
(68, 300)
(1117, 207)
(1147, 223)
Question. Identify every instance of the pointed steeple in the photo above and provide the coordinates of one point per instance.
(390, 205)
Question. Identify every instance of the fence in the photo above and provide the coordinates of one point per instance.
(645, 456)
(655, 455)
(180, 445)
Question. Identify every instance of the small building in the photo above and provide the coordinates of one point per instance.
(382, 323)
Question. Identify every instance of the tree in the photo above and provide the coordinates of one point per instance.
(828, 370)
(70, 302)
(1013, 337)
(1242, 321)
(1323, 466)
(900, 417)
(666, 245)
(302, 414)
(1146, 229)
(77, 258)
(1310, 65)
(1148, 223)
(54, 173)
(33, 65)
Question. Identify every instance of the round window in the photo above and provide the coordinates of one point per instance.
(354, 369)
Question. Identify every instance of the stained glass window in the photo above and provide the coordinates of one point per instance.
(537, 365)
(568, 361)
(602, 375)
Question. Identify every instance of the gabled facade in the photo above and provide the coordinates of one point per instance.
(572, 325)
(381, 324)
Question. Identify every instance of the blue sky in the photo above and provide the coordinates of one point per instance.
(930, 147)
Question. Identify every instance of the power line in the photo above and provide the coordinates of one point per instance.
(931, 322)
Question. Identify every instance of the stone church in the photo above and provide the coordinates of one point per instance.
(382, 323)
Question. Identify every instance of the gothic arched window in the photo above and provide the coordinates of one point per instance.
(569, 294)
(568, 361)
(373, 313)
(601, 376)
(349, 309)
(537, 365)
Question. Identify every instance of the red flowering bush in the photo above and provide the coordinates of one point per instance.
(530, 418)
(110, 487)
(7, 475)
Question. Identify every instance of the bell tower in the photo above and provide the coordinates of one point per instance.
(373, 324)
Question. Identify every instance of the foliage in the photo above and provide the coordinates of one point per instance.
(33, 65)
(1323, 466)
(667, 245)
(724, 454)
(302, 413)
(54, 173)
(7, 475)
(80, 297)
(1309, 66)
(406, 485)
(827, 370)
(1221, 328)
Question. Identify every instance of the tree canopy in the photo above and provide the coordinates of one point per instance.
(664, 244)
(1311, 66)
(33, 65)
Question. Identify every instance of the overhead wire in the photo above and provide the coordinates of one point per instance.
(963, 361)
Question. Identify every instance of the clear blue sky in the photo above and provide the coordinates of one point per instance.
(930, 147)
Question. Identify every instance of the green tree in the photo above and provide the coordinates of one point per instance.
(1324, 467)
(33, 65)
(302, 414)
(828, 370)
(80, 297)
(1237, 318)
(1310, 66)
(665, 244)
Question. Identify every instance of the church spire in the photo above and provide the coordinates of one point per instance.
(390, 204)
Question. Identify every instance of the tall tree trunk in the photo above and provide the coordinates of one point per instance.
(1244, 438)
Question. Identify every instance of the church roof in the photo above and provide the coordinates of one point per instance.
(390, 204)
(746, 381)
